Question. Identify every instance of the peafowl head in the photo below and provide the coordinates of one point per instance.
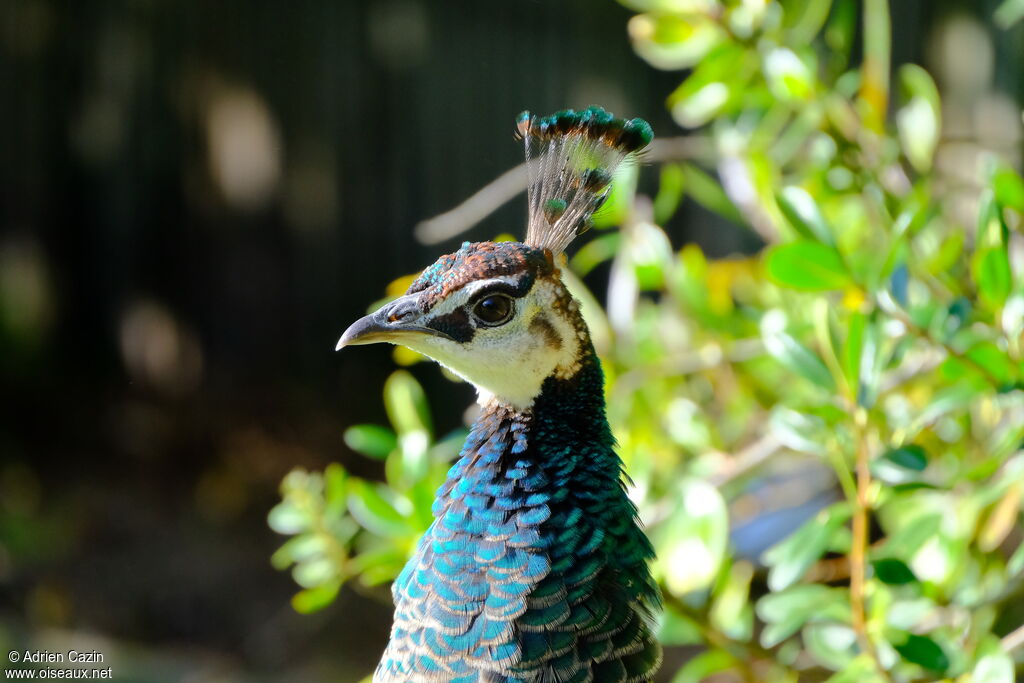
(498, 314)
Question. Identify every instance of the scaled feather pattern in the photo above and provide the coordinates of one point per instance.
(535, 569)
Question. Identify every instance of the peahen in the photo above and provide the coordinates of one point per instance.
(535, 567)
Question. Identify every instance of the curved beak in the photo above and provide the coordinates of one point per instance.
(393, 322)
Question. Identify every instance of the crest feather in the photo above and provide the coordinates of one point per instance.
(571, 157)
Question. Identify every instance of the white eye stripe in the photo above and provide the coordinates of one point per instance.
(474, 287)
(462, 296)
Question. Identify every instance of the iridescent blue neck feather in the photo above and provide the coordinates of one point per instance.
(535, 568)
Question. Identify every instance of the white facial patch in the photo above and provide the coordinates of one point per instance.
(510, 362)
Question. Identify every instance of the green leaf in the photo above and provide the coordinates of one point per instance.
(792, 354)
(790, 559)
(787, 611)
(919, 121)
(620, 200)
(800, 209)
(1009, 13)
(924, 652)
(731, 612)
(807, 266)
(893, 571)
(798, 430)
(909, 538)
(372, 441)
(1015, 565)
(709, 88)
(670, 193)
(314, 572)
(703, 666)
(1009, 188)
(833, 645)
(994, 664)
(692, 543)
(804, 18)
(789, 78)
(994, 360)
(675, 629)
(708, 192)
(595, 252)
(674, 41)
(852, 349)
(299, 549)
(312, 599)
(372, 510)
(992, 274)
(900, 465)
(406, 403)
(287, 518)
(861, 669)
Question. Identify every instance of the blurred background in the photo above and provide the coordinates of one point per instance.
(196, 198)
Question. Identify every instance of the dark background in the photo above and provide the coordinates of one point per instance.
(195, 199)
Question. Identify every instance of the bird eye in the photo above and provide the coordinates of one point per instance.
(495, 309)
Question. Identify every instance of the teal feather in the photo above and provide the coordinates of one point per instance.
(572, 598)
(535, 568)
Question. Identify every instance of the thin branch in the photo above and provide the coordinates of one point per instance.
(509, 184)
(891, 308)
(1012, 640)
(746, 459)
(859, 544)
(715, 638)
(479, 206)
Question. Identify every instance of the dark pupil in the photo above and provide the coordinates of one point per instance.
(493, 309)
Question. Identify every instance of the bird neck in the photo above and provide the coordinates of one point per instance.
(523, 457)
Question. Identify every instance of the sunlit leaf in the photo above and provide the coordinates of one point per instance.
(793, 355)
(708, 192)
(314, 572)
(731, 612)
(803, 213)
(372, 441)
(370, 507)
(1002, 519)
(313, 599)
(287, 518)
(692, 543)
(800, 431)
(406, 403)
(994, 664)
(676, 629)
(703, 666)
(790, 559)
(1009, 13)
(619, 203)
(787, 611)
(674, 41)
(1009, 188)
(919, 120)
(991, 267)
(832, 645)
(994, 361)
(788, 77)
(670, 192)
(807, 266)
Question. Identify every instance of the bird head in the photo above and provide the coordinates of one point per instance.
(496, 314)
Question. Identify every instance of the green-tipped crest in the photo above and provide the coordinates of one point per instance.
(571, 157)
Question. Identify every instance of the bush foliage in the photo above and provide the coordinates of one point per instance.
(877, 338)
